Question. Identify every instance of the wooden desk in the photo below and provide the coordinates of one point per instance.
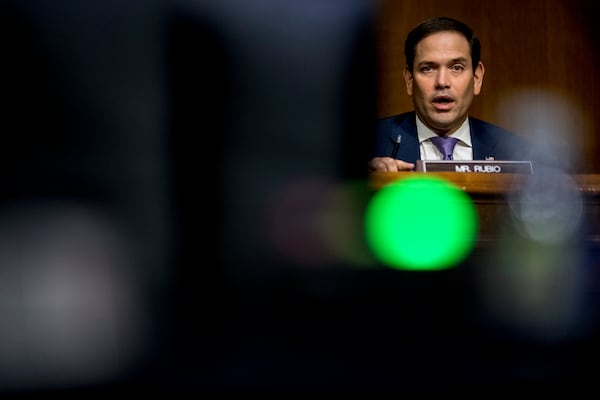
(490, 195)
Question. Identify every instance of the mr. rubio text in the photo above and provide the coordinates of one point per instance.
(488, 168)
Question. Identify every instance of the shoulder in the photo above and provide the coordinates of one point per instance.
(484, 127)
(498, 141)
(397, 118)
(405, 121)
(489, 132)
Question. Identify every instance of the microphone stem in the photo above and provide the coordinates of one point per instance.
(396, 147)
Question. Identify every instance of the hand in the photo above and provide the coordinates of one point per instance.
(389, 164)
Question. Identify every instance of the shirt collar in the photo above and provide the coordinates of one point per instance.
(463, 133)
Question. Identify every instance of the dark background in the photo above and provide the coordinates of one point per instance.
(224, 144)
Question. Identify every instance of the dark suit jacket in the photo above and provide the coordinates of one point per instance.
(488, 140)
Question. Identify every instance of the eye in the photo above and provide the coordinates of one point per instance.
(427, 68)
(457, 67)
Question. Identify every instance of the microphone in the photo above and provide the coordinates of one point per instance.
(396, 146)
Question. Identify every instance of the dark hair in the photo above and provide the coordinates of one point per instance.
(440, 24)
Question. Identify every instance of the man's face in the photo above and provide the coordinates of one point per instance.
(443, 82)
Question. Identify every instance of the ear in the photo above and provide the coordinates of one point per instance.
(478, 78)
(408, 79)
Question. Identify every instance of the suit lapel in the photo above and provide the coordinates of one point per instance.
(483, 144)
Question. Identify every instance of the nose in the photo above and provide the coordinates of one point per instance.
(442, 78)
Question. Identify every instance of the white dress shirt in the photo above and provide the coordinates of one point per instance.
(462, 151)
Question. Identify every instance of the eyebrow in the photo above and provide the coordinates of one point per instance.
(453, 61)
(460, 59)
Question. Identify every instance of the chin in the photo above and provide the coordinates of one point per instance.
(444, 125)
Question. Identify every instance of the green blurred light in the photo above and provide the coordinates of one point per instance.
(421, 223)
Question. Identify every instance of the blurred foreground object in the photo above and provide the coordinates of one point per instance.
(421, 222)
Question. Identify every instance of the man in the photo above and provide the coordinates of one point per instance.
(443, 74)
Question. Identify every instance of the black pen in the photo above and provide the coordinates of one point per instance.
(396, 146)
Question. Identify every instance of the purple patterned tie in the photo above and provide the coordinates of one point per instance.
(445, 145)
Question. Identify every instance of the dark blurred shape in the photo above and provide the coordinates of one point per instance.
(200, 99)
(262, 97)
(84, 201)
(32, 116)
(151, 151)
(358, 99)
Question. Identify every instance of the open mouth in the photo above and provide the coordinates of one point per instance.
(443, 102)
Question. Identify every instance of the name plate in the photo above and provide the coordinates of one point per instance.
(482, 166)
